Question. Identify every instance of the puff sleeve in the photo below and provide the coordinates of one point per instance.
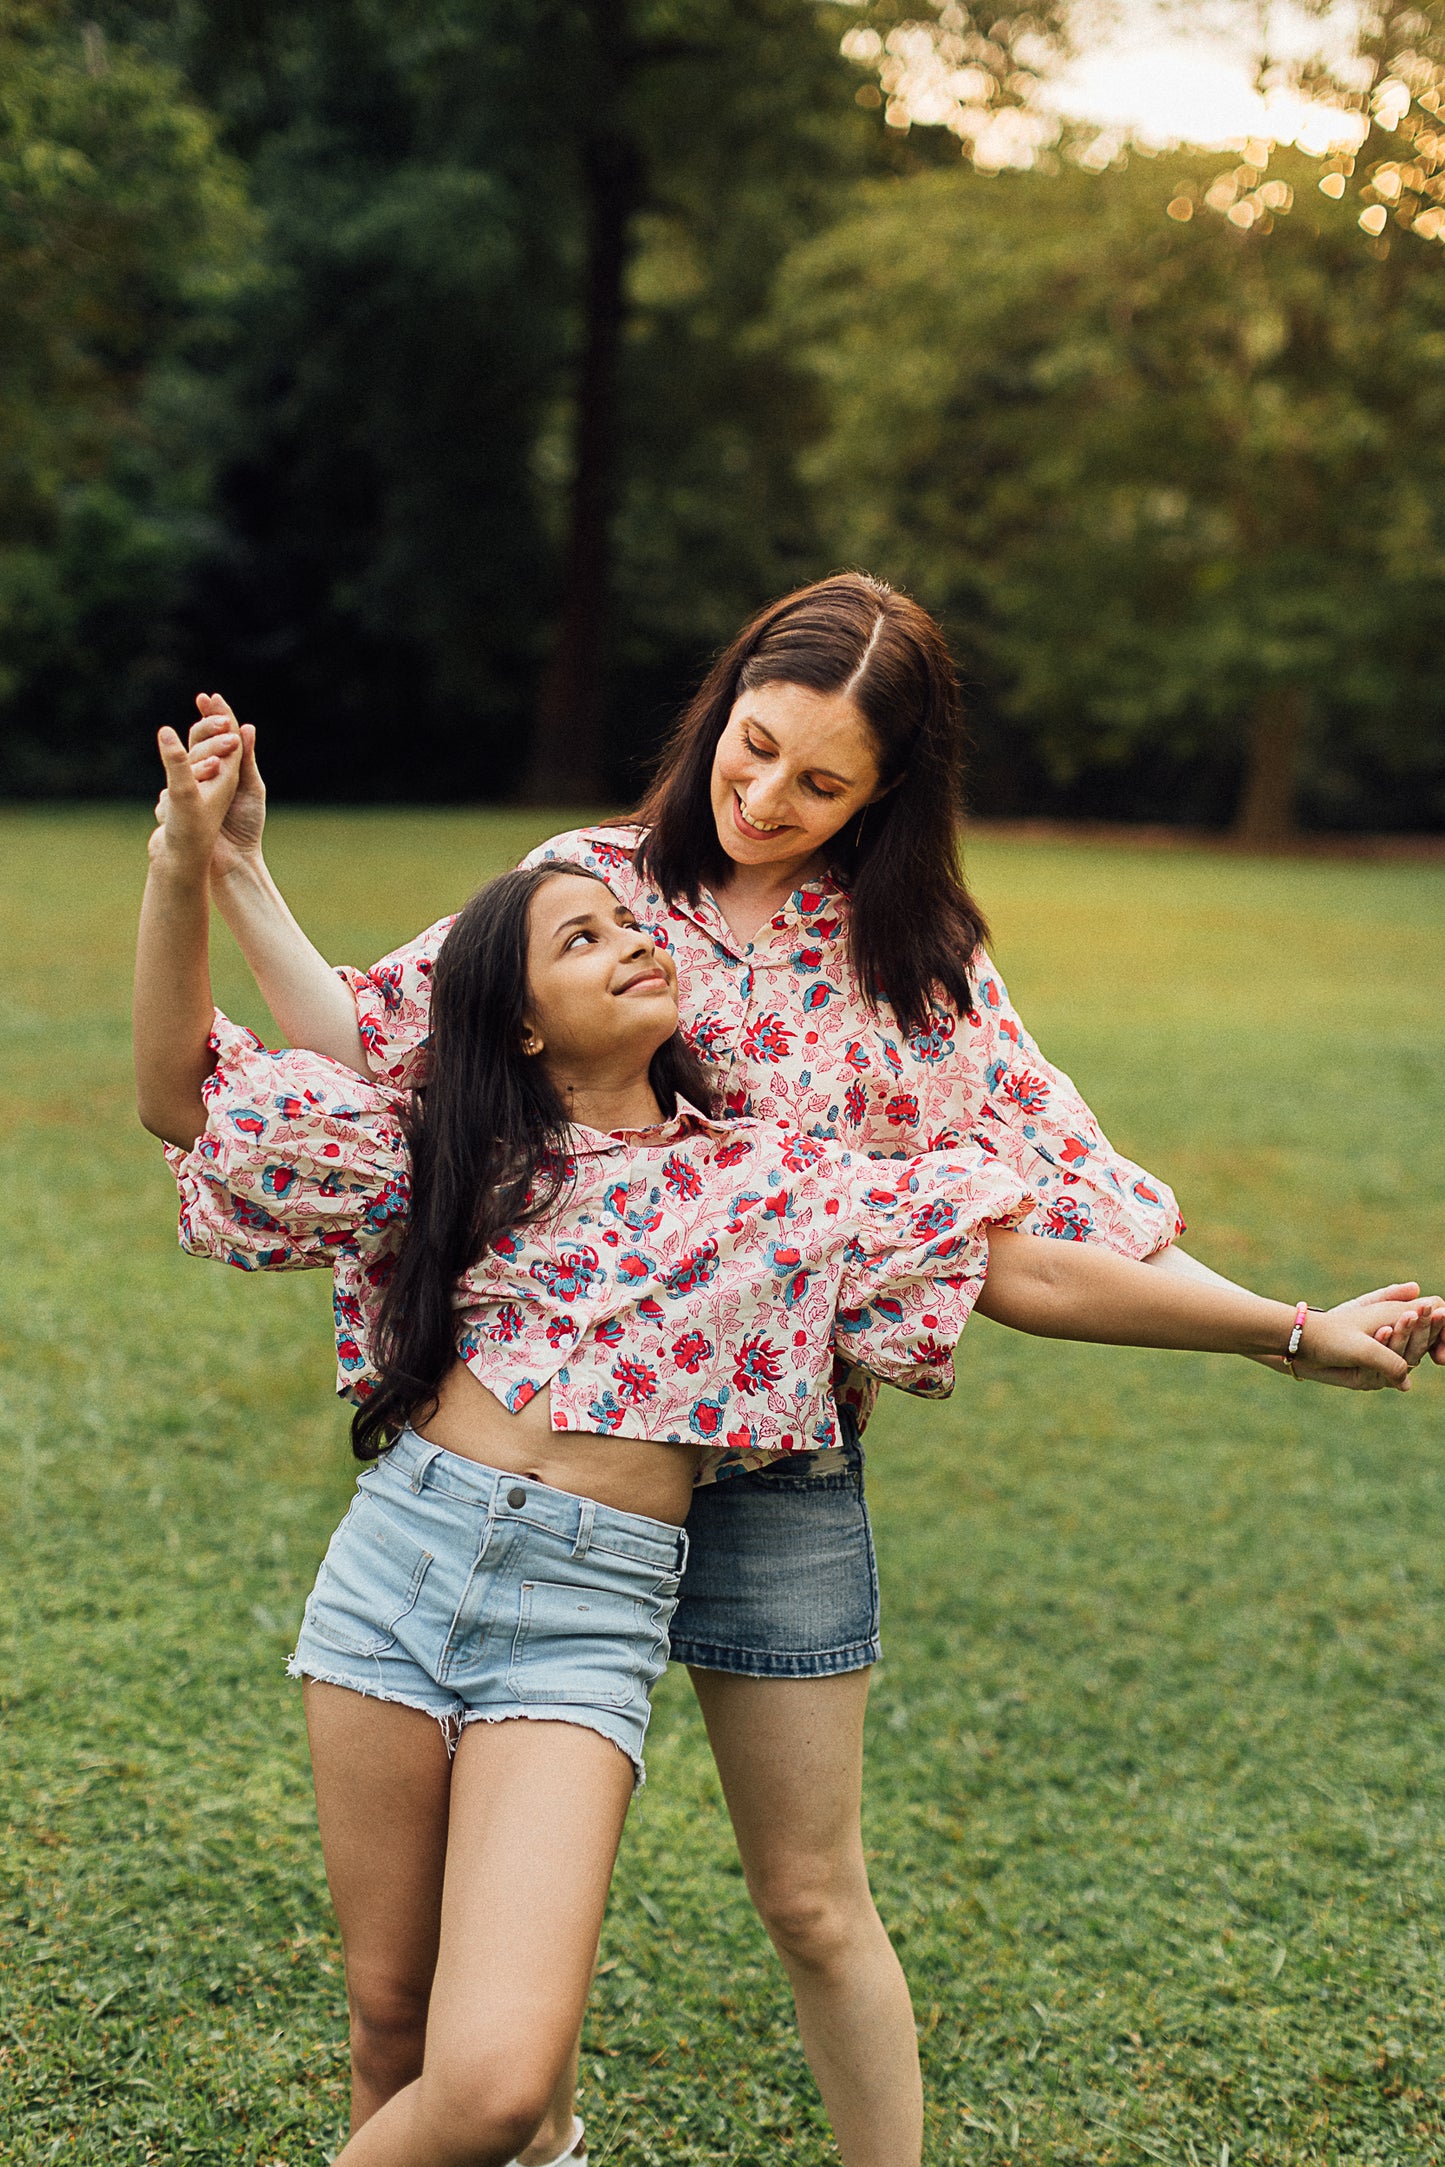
(393, 1007)
(916, 1261)
(301, 1162)
(1082, 1189)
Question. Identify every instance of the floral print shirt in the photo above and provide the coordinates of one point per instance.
(690, 1285)
(784, 1024)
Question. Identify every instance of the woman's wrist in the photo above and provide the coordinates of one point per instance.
(1271, 1336)
(243, 870)
(242, 884)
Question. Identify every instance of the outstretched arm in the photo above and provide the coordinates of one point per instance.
(173, 1007)
(1079, 1290)
(1427, 1337)
(312, 1006)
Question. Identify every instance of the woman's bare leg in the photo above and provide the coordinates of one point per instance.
(536, 1811)
(790, 1755)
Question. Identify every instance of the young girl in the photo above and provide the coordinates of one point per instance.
(560, 1281)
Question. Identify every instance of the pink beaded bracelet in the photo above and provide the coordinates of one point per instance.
(1302, 1310)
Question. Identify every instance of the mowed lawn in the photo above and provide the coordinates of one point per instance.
(1156, 1785)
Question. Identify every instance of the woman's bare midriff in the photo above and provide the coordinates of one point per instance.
(632, 1474)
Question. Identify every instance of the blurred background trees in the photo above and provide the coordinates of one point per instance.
(1182, 476)
(125, 244)
(446, 382)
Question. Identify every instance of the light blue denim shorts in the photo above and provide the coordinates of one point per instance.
(781, 1580)
(479, 1596)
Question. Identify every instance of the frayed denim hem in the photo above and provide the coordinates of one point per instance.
(455, 1720)
(451, 1720)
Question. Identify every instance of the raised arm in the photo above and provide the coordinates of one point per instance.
(173, 1008)
(313, 1007)
(1077, 1290)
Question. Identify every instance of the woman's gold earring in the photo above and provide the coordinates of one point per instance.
(530, 1044)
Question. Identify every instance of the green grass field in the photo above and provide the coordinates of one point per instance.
(1157, 1759)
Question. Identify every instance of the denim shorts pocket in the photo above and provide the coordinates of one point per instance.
(370, 1578)
(590, 1645)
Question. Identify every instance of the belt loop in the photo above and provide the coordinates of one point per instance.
(585, 1519)
(682, 1551)
(418, 1473)
(491, 1521)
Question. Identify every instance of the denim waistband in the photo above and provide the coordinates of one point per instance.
(578, 1521)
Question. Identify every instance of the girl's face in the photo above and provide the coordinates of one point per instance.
(601, 996)
(791, 769)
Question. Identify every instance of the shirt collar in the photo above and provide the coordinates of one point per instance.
(687, 1120)
(814, 899)
(820, 898)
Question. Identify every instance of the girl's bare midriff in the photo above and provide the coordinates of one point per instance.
(632, 1474)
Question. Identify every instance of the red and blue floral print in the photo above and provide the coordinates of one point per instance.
(704, 1311)
(784, 1022)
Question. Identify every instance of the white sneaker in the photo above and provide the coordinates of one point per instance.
(573, 2153)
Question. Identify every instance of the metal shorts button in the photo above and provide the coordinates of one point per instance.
(516, 1498)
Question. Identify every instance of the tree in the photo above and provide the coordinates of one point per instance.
(474, 374)
(1163, 442)
(740, 125)
(125, 236)
(709, 135)
(380, 602)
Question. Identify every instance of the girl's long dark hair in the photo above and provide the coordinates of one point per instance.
(487, 1134)
(913, 925)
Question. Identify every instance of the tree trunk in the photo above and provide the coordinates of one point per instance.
(1265, 816)
(568, 763)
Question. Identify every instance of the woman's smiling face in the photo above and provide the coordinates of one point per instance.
(599, 990)
(791, 769)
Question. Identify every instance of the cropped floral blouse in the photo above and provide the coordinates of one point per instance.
(691, 1284)
(785, 1026)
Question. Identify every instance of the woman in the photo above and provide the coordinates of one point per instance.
(797, 855)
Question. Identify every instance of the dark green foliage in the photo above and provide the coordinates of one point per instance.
(1154, 469)
(125, 246)
(304, 309)
(377, 599)
(390, 447)
(1155, 1759)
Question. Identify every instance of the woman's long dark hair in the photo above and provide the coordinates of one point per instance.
(913, 925)
(487, 1134)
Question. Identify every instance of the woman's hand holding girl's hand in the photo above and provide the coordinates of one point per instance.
(193, 806)
(1370, 1342)
(1417, 1329)
(217, 732)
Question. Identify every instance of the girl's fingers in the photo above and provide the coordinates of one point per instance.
(179, 776)
(223, 743)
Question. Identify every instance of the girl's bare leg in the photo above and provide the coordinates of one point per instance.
(383, 1787)
(790, 1755)
(536, 1811)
